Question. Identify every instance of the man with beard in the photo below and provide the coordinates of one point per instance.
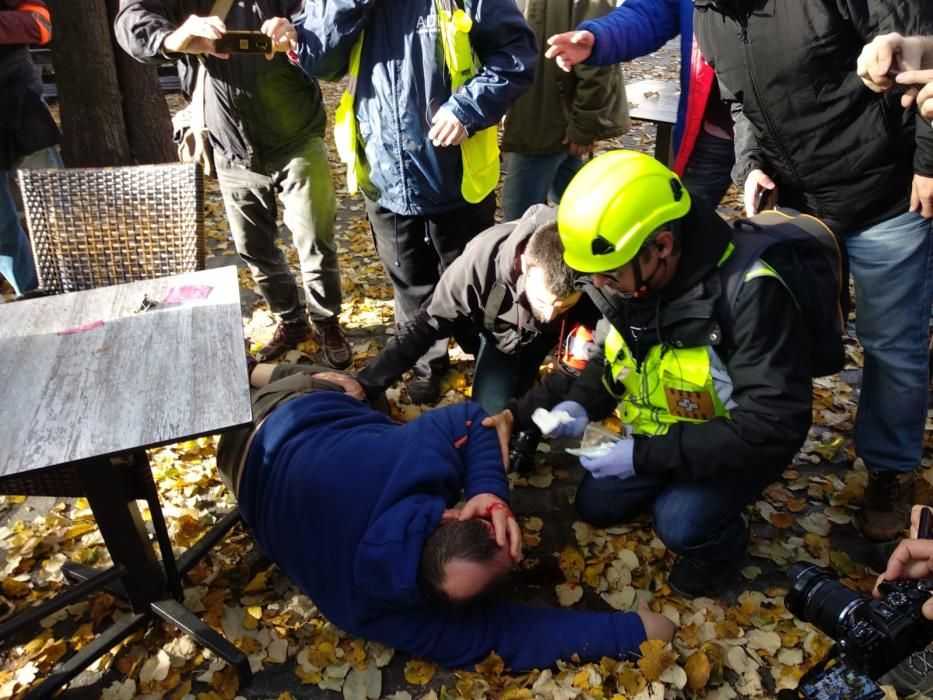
(512, 287)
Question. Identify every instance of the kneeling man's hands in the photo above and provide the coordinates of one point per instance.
(490, 507)
(502, 423)
(618, 462)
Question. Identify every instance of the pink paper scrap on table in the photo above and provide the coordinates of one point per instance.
(83, 327)
(187, 292)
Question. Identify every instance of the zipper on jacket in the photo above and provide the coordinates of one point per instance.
(742, 18)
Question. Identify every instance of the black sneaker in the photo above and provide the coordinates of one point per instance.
(286, 336)
(333, 342)
(692, 578)
(424, 389)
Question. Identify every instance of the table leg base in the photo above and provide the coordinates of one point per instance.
(179, 616)
(95, 579)
(79, 573)
(118, 631)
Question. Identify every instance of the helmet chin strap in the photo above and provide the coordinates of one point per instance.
(641, 285)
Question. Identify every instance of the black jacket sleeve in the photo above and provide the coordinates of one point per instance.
(771, 388)
(462, 290)
(142, 25)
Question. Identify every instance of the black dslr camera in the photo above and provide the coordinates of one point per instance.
(522, 450)
(874, 635)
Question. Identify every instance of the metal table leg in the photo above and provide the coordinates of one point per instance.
(72, 594)
(663, 143)
(123, 531)
(179, 616)
(63, 673)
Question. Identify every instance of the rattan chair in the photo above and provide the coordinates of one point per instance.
(92, 227)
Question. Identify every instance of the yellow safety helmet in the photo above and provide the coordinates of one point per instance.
(611, 207)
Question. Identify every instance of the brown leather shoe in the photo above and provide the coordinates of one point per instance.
(330, 336)
(885, 509)
(286, 336)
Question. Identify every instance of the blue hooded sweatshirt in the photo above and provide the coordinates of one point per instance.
(342, 499)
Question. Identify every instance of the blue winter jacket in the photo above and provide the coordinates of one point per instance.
(403, 81)
(342, 499)
(640, 27)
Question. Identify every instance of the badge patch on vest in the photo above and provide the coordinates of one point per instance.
(695, 405)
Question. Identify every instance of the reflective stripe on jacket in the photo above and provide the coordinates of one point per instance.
(403, 83)
(672, 384)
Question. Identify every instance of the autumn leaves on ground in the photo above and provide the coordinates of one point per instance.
(743, 645)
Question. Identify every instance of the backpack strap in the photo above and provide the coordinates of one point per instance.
(493, 306)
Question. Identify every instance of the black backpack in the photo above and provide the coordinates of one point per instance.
(808, 255)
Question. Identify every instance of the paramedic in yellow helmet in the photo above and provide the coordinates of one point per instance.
(717, 400)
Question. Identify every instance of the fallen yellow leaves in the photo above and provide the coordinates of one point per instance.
(419, 672)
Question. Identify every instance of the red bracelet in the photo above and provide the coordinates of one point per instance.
(496, 505)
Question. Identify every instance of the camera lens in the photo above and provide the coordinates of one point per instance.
(816, 597)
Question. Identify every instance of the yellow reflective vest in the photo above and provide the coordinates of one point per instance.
(479, 153)
(672, 384)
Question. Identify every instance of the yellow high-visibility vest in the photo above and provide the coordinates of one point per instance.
(480, 152)
(673, 384)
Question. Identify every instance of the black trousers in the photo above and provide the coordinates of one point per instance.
(415, 250)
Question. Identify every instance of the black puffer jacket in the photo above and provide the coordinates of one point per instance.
(765, 355)
(257, 111)
(463, 294)
(835, 148)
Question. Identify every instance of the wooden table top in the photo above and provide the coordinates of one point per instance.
(653, 100)
(86, 375)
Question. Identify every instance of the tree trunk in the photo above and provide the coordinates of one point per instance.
(148, 124)
(93, 129)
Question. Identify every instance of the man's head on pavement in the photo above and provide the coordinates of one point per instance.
(548, 281)
(619, 221)
(461, 562)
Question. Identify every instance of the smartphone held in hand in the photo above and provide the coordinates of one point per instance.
(243, 42)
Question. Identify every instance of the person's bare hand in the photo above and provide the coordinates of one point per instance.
(570, 48)
(913, 559)
(921, 196)
(885, 55)
(283, 34)
(579, 150)
(446, 129)
(502, 423)
(755, 183)
(505, 526)
(915, 521)
(924, 97)
(657, 626)
(196, 35)
(350, 386)
(450, 515)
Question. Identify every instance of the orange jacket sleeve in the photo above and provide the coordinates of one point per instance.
(25, 22)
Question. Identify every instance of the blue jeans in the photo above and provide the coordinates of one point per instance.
(498, 377)
(709, 170)
(16, 263)
(530, 179)
(701, 519)
(891, 264)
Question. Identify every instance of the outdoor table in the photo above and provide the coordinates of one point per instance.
(92, 379)
(656, 101)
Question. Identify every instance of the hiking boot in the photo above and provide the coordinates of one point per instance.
(286, 336)
(886, 507)
(333, 342)
(692, 578)
(424, 389)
